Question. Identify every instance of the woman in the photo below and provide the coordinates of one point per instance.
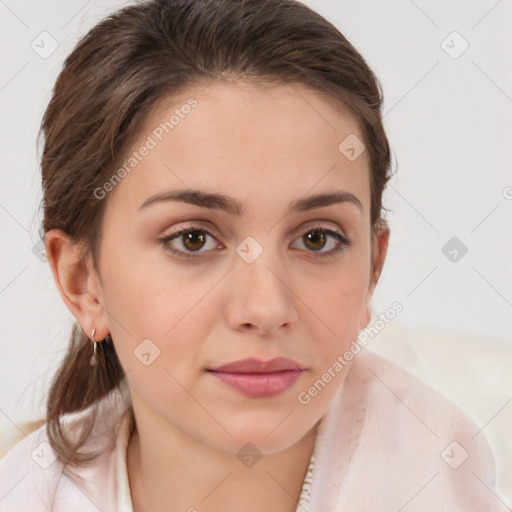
(213, 176)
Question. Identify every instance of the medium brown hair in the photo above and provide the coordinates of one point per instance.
(109, 85)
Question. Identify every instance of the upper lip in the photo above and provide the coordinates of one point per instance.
(253, 365)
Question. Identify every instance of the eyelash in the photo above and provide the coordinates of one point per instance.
(343, 241)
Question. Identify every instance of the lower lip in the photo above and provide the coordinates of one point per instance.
(260, 385)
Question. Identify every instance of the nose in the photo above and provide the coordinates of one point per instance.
(262, 301)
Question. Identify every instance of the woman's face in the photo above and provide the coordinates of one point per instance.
(246, 281)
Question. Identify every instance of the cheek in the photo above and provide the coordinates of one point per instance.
(340, 294)
(335, 308)
(155, 315)
(333, 330)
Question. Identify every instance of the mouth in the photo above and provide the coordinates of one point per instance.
(255, 378)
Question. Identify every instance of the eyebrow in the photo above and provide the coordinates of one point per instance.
(233, 207)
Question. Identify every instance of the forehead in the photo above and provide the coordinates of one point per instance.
(258, 142)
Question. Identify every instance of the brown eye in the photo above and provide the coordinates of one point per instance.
(189, 241)
(193, 240)
(315, 240)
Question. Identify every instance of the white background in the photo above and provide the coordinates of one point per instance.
(449, 125)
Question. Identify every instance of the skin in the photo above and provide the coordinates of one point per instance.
(265, 148)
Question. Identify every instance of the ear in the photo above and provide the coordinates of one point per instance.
(78, 283)
(379, 250)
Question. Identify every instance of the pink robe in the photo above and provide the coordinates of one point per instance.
(387, 443)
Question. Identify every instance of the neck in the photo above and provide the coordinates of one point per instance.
(166, 466)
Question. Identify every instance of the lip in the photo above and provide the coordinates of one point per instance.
(258, 379)
(253, 365)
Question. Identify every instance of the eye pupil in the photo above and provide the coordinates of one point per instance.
(190, 238)
(314, 236)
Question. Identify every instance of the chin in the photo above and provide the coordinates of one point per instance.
(259, 436)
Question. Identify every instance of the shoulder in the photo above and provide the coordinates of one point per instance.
(12, 435)
(28, 472)
(425, 438)
(33, 477)
(395, 388)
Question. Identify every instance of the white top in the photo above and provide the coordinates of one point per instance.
(387, 442)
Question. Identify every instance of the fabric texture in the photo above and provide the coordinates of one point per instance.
(387, 442)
